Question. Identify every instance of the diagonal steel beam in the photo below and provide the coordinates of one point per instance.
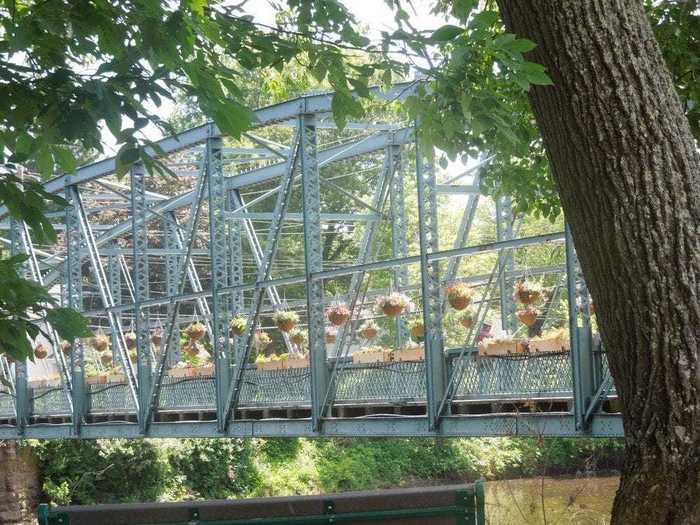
(105, 293)
(262, 275)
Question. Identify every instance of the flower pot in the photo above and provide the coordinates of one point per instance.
(490, 348)
(286, 326)
(205, 371)
(41, 352)
(528, 316)
(116, 378)
(196, 331)
(466, 322)
(377, 356)
(272, 365)
(130, 340)
(179, 372)
(106, 359)
(409, 354)
(298, 362)
(555, 344)
(459, 302)
(369, 333)
(391, 310)
(100, 343)
(338, 316)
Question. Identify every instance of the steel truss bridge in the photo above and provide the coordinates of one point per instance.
(149, 253)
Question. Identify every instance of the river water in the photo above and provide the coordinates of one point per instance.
(550, 501)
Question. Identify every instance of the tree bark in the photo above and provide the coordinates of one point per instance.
(628, 173)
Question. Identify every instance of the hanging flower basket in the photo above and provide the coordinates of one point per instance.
(130, 339)
(106, 359)
(285, 320)
(338, 314)
(528, 315)
(237, 325)
(261, 340)
(100, 342)
(528, 292)
(299, 337)
(368, 330)
(459, 295)
(196, 331)
(417, 330)
(157, 337)
(394, 304)
(467, 319)
(66, 347)
(41, 352)
(331, 335)
(133, 357)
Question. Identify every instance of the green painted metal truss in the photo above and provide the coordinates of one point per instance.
(300, 216)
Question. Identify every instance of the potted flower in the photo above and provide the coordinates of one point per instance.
(372, 354)
(157, 337)
(459, 295)
(285, 320)
(417, 330)
(528, 292)
(130, 339)
(195, 331)
(133, 356)
(270, 363)
(338, 314)
(297, 361)
(41, 352)
(299, 337)
(528, 315)
(409, 353)
(555, 340)
(100, 342)
(106, 359)
(501, 346)
(394, 304)
(237, 325)
(261, 340)
(368, 330)
(467, 318)
(180, 369)
(331, 335)
(66, 348)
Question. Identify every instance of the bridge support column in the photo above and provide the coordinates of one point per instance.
(144, 362)
(582, 359)
(313, 259)
(21, 388)
(504, 232)
(218, 249)
(430, 283)
(73, 294)
(399, 235)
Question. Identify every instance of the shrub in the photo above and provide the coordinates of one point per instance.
(216, 468)
(86, 472)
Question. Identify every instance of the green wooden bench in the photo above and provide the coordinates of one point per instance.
(446, 505)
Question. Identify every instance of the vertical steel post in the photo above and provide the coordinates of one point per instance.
(219, 275)
(144, 366)
(399, 231)
(172, 284)
(504, 232)
(235, 261)
(313, 259)
(114, 277)
(73, 277)
(581, 343)
(21, 386)
(430, 283)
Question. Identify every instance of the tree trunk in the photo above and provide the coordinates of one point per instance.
(628, 174)
(19, 485)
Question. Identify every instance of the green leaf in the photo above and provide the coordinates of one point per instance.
(446, 33)
(69, 323)
(65, 158)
